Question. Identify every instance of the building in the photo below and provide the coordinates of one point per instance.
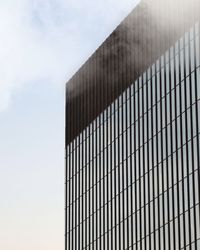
(133, 135)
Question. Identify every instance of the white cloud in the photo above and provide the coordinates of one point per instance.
(47, 40)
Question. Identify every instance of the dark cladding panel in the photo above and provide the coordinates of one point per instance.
(151, 28)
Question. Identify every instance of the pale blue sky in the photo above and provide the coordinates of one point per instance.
(43, 42)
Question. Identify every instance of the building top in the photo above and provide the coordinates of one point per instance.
(149, 30)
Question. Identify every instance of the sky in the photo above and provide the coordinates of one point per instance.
(43, 43)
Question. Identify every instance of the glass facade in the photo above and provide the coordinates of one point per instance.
(133, 174)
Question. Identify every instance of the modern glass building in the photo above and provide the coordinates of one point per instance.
(133, 136)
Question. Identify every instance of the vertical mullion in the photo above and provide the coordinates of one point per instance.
(167, 154)
(116, 111)
(122, 178)
(152, 162)
(86, 170)
(127, 170)
(144, 83)
(92, 187)
(68, 217)
(96, 180)
(66, 169)
(115, 178)
(99, 184)
(136, 55)
(162, 82)
(96, 161)
(139, 145)
(148, 144)
(192, 142)
(139, 167)
(135, 168)
(121, 214)
(127, 165)
(83, 159)
(73, 194)
(118, 175)
(107, 181)
(112, 125)
(131, 157)
(181, 142)
(89, 184)
(148, 153)
(171, 153)
(131, 167)
(176, 152)
(127, 145)
(79, 167)
(186, 130)
(88, 217)
(107, 152)
(104, 157)
(119, 152)
(69, 196)
(143, 163)
(66, 196)
(72, 203)
(75, 198)
(92, 157)
(112, 158)
(157, 147)
(100, 165)
(172, 135)
(67, 174)
(158, 101)
(197, 110)
(93, 182)
(81, 178)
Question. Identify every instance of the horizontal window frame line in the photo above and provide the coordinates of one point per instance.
(174, 152)
(146, 204)
(164, 225)
(139, 148)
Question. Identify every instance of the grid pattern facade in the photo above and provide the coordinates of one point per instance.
(133, 175)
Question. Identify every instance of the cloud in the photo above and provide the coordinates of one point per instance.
(48, 40)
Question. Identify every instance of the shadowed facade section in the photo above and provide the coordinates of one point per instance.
(150, 29)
